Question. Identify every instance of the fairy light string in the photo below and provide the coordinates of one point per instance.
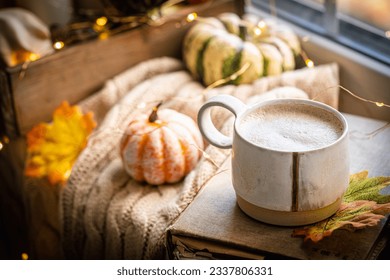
(101, 26)
(357, 133)
(142, 105)
(105, 26)
(369, 135)
(377, 103)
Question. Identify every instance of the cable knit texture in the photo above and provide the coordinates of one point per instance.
(107, 215)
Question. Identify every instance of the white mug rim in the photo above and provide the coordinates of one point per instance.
(309, 102)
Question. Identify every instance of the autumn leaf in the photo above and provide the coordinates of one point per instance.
(362, 206)
(54, 147)
(363, 188)
(351, 216)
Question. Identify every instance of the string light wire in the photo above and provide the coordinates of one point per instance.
(102, 22)
(377, 103)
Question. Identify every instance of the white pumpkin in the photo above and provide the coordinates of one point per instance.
(215, 48)
(160, 150)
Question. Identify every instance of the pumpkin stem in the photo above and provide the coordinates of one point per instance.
(153, 117)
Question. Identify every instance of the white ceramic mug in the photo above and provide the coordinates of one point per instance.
(277, 185)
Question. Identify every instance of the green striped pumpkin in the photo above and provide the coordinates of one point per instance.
(216, 47)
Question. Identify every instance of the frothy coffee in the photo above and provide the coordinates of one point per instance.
(291, 127)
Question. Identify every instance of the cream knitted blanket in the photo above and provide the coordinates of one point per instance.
(107, 215)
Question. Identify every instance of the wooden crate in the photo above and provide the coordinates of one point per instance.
(75, 72)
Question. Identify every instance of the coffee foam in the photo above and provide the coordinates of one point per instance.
(291, 127)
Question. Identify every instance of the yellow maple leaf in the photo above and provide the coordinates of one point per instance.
(54, 147)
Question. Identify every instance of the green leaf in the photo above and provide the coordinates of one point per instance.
(363, 188)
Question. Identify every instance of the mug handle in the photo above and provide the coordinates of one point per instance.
(206, 126)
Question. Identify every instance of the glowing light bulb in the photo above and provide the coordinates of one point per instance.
(379, 104)
(3, 141)
(103, 35)
(33, 56)
(24, 256)
(58, 45)
(191, 17)
(102, 21)
(257, 31)
(261, 24)
(141, 105)
(309, 63)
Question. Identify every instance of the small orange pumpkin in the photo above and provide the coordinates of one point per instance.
(161, 149)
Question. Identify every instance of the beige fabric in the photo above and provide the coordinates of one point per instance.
(115, 88)
(22, 33)
(107, 215)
